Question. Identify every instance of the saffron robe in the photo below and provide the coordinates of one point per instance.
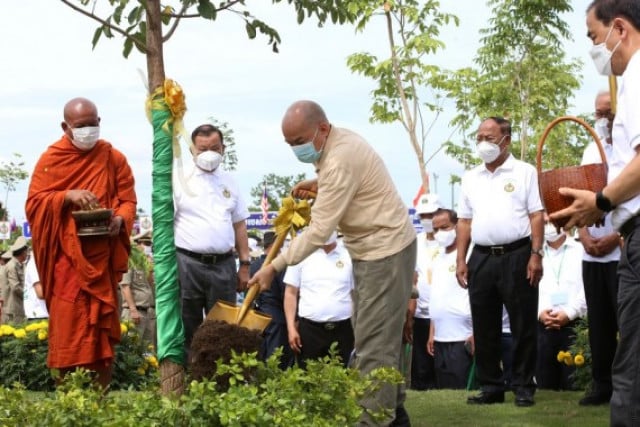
(80, 275)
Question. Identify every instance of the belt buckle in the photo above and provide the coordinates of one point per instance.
(208, 259)
(497, 250)
(329, 326)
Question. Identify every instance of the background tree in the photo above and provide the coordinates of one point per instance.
(521, 73)
(412, 28)
(278, 187)
(140, 23)
(11, 173)
(230, 158)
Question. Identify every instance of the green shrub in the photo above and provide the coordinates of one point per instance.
(326, 394)
(579, 355)
(23, 351)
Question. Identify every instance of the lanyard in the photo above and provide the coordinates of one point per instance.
(557, 271)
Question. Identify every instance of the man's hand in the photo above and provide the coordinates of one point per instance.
(115, 225)
(431, 346)
(303, 189)
(135, 315)
(608, 243)
(582, 212)
(590, 244)
(294, 340)
(263, 278)
(84, 199)
(534, 270)
(243, 278)
(470, 345)
(461, 274)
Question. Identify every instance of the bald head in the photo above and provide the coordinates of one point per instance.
(79, 113)
(305, 121)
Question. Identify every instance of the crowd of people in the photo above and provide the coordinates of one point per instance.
(487, 295)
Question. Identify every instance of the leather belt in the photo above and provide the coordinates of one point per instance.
(628, 227)
(503, 249)
(140, 308)
(205, 258)
(329, 326)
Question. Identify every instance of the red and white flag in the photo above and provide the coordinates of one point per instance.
(264, 204)
(417, 198)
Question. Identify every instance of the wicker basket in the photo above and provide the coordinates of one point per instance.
(591, 177)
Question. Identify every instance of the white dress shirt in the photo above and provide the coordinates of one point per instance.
(499, 203)
(325, 282)
(34, 307)
(561, 285)
(427, 251)
(206, 210)
(450, 310)
(592, 155)
(626, 136)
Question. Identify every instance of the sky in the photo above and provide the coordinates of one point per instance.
(48, 59)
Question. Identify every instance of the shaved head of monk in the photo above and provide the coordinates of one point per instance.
(79, 113)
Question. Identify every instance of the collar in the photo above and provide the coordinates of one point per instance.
(327, 144)
(507, 165)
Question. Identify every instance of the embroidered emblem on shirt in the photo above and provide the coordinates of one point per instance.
(339, 264)
(509, 187)
(452, 268)
(226, 193)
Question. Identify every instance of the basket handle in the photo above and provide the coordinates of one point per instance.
(564, 119)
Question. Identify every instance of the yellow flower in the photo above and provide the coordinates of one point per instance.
(568, 359)
(19, 333)
(141, 371)
(560, 356)
(32, 327)
(152, 361)
(578, 360)
(44, 324)
(42, 335)
(7, 329)
(123, 328)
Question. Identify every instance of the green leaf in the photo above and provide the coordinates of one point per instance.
(96, 37)
(128, 45)
(251, 30)
(206, 9)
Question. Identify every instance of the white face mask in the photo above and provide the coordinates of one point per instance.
(551, 234)
(208, 161)
(489, 151)
(602, 56)
(427, 225)
(85, 138)
(445, 237)
(602, 128)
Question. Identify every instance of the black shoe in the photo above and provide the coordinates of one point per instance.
(523, 400)
(593, 399)
(486, 398)
(401, 419)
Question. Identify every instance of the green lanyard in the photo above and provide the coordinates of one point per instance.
(557, 271)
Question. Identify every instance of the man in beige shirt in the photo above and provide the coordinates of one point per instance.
(356, 194)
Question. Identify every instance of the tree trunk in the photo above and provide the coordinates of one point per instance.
(155, 57)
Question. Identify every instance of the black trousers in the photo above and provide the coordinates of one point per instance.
(452, 363)
(601, 291)
(551, 374)
(625, 373)
(495, 280)
(275, 336)
(317, 339)
(423, 375)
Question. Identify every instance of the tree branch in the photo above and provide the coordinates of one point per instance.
(118, 30)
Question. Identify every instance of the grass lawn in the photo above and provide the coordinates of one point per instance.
(449, 408)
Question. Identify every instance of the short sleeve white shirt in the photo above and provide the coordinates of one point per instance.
(206, 210)
(427, 251)
(34, 307)
(325, 282)
(591, 155)
(626, 135)
(561, 285)
(450, 310)
(499, 203)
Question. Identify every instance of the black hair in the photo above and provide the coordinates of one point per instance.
(453, 216)
(206, 130)
(505, 125)
(607, 10)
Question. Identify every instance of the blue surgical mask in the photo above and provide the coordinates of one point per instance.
(307, 152)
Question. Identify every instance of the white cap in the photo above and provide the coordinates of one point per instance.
(428, 203)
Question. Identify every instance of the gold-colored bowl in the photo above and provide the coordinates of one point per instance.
(92, 223)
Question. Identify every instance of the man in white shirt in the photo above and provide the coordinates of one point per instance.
(600, 273)
(501, 212)
(422, 369)
(614, 28)
(319, 290)
(561, 301)
(209, 222)
(451, 332)
(34, 305)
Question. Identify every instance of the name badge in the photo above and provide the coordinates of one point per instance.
(559, 298)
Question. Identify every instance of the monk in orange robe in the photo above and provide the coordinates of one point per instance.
(80, 275)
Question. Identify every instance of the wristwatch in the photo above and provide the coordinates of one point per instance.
(245, 262)
(603, 203)
(538, 252)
